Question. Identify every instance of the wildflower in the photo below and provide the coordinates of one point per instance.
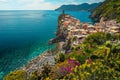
(71, 61)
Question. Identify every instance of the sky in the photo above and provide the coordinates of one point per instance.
(39, 4)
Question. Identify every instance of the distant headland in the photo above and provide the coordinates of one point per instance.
(81, 7)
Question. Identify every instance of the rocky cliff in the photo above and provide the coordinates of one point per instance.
(61, 33)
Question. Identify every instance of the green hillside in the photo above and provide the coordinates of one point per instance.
(109, 9)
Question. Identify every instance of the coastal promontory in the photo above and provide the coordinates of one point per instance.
(83, 51)
(80, 7)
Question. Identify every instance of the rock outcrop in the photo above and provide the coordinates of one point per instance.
(61, 33)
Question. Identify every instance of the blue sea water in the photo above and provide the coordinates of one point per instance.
(25, 35)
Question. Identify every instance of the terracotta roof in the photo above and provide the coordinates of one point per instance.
(66, 23)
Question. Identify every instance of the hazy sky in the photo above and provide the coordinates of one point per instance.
(38, 4)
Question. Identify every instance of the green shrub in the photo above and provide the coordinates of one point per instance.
(60, 58)
(17, 75)
(94, 71)
(46, 69)
(74, 38)
(96, 38)
(81, 57)
(34, 76)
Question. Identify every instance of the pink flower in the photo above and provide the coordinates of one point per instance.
(71, 61)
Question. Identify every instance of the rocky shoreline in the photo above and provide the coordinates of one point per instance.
(37, 63)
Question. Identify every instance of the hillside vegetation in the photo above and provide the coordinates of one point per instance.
(97, 58)
(109, 9)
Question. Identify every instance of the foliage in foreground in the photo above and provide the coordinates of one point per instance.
(97, 58)
(17, 75)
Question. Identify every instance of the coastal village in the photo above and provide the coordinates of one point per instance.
(78, 30)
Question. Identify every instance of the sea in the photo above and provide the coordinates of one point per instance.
(24, 34)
